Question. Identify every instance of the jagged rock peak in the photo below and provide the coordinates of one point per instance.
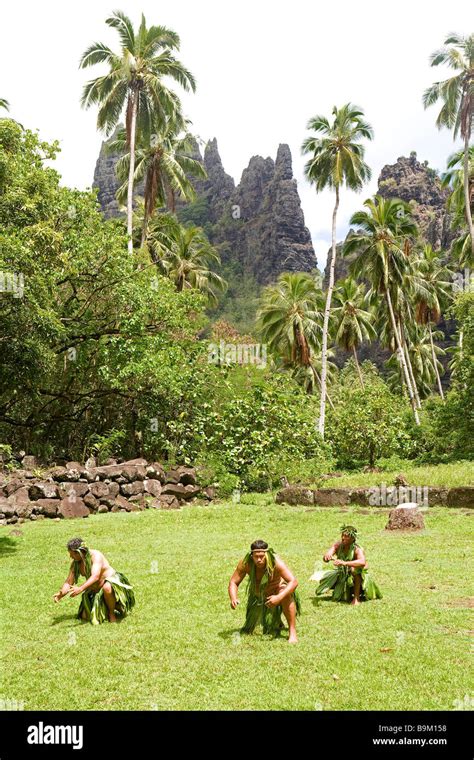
(283, 163)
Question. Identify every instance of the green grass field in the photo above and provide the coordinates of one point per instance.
(449, 475)
(180, 648)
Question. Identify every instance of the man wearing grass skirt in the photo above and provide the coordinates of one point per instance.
(105, 592)
(349, 580)
(271, 591)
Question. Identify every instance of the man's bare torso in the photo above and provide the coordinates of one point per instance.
(275, 581)
(106, 571)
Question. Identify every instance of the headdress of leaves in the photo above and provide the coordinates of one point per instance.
(349, 530)
(270, 566)
(86, 555)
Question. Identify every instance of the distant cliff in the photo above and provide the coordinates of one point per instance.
(258, 224)
(419, 185)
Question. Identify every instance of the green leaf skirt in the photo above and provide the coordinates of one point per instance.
(270, 619)
(93, 602)
(341, 581)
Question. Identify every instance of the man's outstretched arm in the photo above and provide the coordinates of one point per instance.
(94, 577)
(234, 583)
(66, 585)
(331, 551)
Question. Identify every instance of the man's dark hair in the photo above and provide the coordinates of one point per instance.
(74, 544)
(259, 545)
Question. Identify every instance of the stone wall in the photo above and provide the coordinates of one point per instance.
(77, 490)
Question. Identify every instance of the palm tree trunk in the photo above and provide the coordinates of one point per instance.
(324, 349)
(410, 370)
(402, 356)
(133, 129)
(358, 367)
(327, 394)
(408, 361)
(467, 199)
(435, 363)
(144, 228)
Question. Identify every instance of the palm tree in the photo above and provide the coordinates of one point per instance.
(135, 82)
(457, 94)
(454, 179)
(381, 241)
(185, 255)
(289, 321)
(4, 104)
(164, 162)
(337, 158)
(289, 316)
(354, 324)
(432, 291)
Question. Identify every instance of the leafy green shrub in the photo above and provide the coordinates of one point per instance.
(367, 424)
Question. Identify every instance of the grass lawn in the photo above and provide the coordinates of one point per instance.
(449, 475)
(180, 648)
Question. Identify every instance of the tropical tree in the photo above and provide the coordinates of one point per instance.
(135, 83)
(454, 179)
(4, 104)
(382, 242)
(431, 293)
(457, 94)
(185, 255)
(289, 321)
(164, 162)
(337, 158)
(354, 323)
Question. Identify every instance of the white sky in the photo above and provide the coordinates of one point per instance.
(263, 68)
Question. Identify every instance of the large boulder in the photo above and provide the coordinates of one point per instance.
(181, 474)
(73, 490)
(437, 496)
(132, 489)
(177, 490)
(91, 502)
(12, 486)
(405, 517)
(29, 463)
(6, 507)
(165, 501)
(21, 497)
(70, 508)
(152, 486)
(329, 497)
(43, 490)
(121, 503)
(295, 495)
(156, 472)
(133, 472)
(462, 496)
(101, 490)
(47, 507)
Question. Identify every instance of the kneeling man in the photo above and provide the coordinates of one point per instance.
(271, 591)
(350, 579)
(105, 592)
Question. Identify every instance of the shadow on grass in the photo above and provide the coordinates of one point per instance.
(317, 601)
(7, 545)
(62, 618)
(234, 634)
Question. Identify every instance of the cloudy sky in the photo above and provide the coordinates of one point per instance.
(263, 68)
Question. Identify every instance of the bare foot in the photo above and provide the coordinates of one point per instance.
(292, 639)
(355, 602)
(112, 618)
